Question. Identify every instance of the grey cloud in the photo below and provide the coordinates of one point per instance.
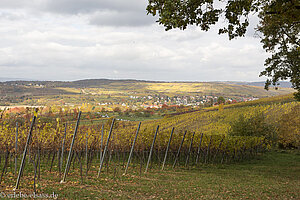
(83, 6)
(61, 44)
(75, 6)
(98, 12)
(10, 16)
(105, 12)
(113, 18)
(251, 30)
(12, 4)
(16, 4)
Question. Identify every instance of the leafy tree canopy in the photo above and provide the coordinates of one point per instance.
(221, 100)
(279, 25)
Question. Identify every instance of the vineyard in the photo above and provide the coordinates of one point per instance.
(53, 142)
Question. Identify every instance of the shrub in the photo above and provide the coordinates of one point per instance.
(255, 125)
(289, 129)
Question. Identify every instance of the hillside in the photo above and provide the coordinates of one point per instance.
(123, 88)
(217, 121)
(282, 84)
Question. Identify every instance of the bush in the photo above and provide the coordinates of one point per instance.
(289, 129)
(255, 125)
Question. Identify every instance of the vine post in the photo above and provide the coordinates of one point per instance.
(178, 152)
(151, 150)
(166, 154)
(189, 152)
(106, 146)
(71, 148)
(25, 152)
(132, 147)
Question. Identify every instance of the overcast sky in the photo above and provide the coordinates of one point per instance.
(80, 39)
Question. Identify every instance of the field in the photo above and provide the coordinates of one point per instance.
(274, 175)
(118, 92)
(225, 151)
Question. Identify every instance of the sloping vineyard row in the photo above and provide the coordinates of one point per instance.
(48, 135)
(199, 137)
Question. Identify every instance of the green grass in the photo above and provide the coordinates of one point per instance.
(274, 175)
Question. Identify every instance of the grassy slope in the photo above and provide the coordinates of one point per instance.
(275, 175)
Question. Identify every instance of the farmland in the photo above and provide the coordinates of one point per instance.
(132, 93)
(201, 140)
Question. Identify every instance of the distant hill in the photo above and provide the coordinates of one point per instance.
(87, 83)
(282, 84)
(141, 87)
(5, 79)
(104, 82)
